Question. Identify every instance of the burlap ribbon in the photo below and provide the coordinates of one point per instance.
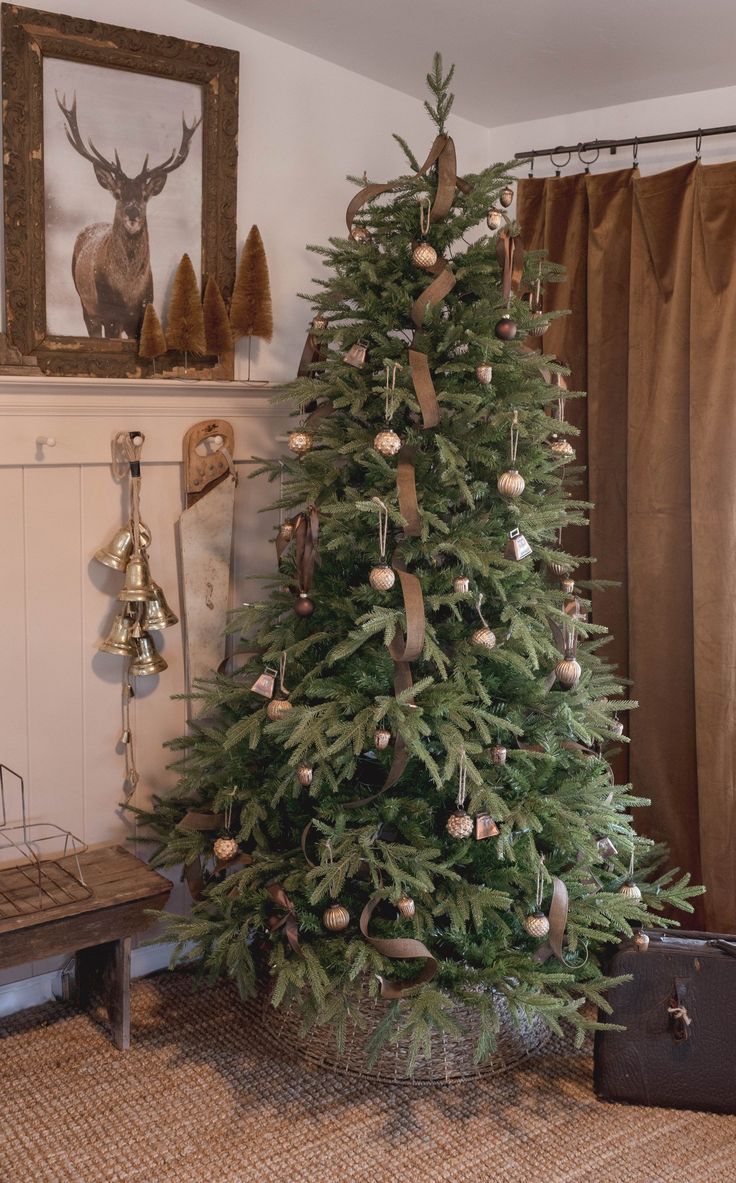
(510, 254)
(424, 388)
(554, 945)
(306, 533)
(402, 948)
(406, 487)
(201, 819)
(288, 921)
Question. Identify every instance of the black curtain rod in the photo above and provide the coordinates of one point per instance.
(632, 142)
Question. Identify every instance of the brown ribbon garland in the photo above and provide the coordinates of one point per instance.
(510, 254)
(406, 488)
(554, 945)
(306, 533)
(288, 921)
(402, 948)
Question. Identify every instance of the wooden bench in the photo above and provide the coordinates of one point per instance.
(97, 929)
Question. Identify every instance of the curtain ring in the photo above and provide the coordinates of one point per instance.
(581, 156)
(698, 143)
(556, 164)
(635, 153)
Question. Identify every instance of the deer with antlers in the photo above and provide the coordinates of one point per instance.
(111, 263)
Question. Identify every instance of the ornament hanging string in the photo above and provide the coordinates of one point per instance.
(514, 431)
(462, 779)
(382, 526)
(478, 604)
(390, 375)
(425, 215)
(132, 776)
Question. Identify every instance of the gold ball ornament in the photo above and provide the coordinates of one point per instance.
(225, 849)
(387, 442)
(461, 585)
(641, 942)
(359, 234)
(511, 483)
(278, 708)
(305, 774)
(498, 754)
(562, 447)
(382, 578)
(568, 671)
(286, 531)
(336, 918)
(484, 373)
(459, 824)
(506, 196)
(300, 442)
(381, 738)
(485, 637)
(506, 329)
(537, 925)
(630, 890)
(424, 255)
(319, 324)
(494, 218)
(406, 907)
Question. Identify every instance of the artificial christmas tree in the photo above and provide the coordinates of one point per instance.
(424, 810)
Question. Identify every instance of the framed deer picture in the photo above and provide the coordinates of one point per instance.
(120, 153)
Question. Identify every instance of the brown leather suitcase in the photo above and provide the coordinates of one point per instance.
(679, 1010)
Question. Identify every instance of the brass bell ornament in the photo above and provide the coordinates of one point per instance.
(137, 587)
(120, 547)
(356, 355)
(147, 659)
(517, 547)
(119, 639)
(157, 614)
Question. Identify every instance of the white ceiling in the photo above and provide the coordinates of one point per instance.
(516, 59)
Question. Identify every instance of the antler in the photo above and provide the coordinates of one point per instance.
(73, 135)
(177, 156)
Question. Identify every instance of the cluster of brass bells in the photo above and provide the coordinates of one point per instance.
(144, 608)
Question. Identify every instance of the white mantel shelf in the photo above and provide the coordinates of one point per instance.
(82, 414)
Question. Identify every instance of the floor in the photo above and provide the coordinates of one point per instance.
(203, 1097)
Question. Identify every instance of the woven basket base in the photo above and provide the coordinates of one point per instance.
(451, 1056)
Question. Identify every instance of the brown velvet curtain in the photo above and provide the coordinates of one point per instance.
(651, 277)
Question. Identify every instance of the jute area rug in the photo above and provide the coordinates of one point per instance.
(202, 1097)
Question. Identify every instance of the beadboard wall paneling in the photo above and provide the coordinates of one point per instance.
(60, 699)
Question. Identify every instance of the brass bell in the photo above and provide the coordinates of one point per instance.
(119, 639)
(355, 355)
(158, 614)
(137, 584)
(147, 659)
(265, 683)
(117, 552)
(517, 546)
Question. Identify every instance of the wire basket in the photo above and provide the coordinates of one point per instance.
(451, 1057)
(40, 879)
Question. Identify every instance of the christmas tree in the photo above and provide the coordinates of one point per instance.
(185, 324)
(250, 309)
(152, 343)
(425, 800)
(218, 334)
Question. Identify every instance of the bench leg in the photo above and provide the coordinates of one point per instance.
(103, 974)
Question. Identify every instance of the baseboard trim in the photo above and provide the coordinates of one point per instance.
(17, 996)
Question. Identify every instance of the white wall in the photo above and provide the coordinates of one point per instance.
(708, 108)
(304, 124)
